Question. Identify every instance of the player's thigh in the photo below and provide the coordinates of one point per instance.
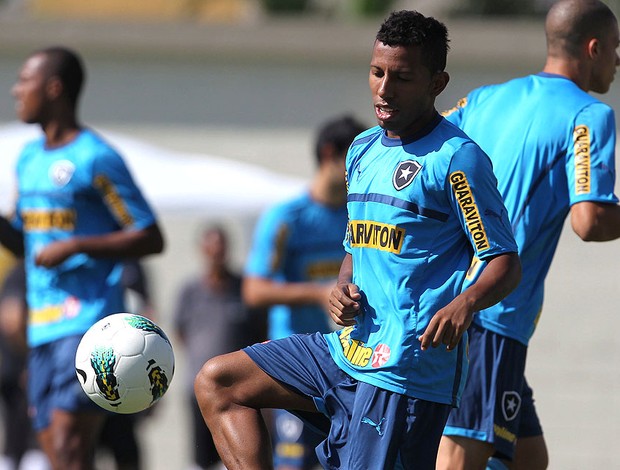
(236, 378)
(461, 453)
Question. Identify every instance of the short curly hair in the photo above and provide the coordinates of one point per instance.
(410, 28)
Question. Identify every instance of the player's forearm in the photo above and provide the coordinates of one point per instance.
(122, 244)
(500, 277)
(259, 292)
(596, 222)
(346, 270)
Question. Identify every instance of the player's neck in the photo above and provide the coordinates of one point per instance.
(59, 133)
(571, 69)
(324, 191)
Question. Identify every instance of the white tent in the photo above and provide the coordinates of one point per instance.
(174, 182)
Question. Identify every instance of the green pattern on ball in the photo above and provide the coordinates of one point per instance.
(145, 324)
(103, 359)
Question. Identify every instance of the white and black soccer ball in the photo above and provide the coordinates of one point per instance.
(125, 363)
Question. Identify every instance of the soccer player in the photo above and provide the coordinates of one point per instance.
(293, 264)
(422, 199)
(552, 147)
(78, 214)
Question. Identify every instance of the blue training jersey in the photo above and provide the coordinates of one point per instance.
(552, 145)
(418, 211)
(298, 240)
(80, 189)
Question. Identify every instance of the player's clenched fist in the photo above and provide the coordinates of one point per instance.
(344, 303)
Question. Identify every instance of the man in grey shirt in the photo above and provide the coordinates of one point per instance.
(211, 319)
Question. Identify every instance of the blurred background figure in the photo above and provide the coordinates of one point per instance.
(20, 449)
(211, 319)
(78, 213)
(295, 258)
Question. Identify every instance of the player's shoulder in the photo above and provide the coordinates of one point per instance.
(95, 143)
(364, 140)
(456, 145)
(362, 144)
(479, 95)
(367, 136)
(287, 209)
(452, 136)
(546, 88)
(31, 148)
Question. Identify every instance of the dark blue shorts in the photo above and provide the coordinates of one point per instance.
(497, 405)
(52, 383)
(368, 427)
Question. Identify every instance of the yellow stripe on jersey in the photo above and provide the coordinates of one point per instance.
(464, 195)
(581, 137)
(114, 201)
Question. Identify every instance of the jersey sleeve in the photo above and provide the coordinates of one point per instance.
(346, 243)
(475, 199)
(590, 163)
(115, 184)
(269, 246)
(455, 114)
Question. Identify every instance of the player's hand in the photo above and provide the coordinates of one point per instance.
(344, 304)
(55, 253)
(447, 326)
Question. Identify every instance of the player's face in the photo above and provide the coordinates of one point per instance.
(214, 247)
(30, 90)
(606, 61)
(403, 89)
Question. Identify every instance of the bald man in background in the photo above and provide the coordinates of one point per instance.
(553, 151)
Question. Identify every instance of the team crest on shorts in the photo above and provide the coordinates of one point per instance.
(404, 174)
(511, 404)
(289, 427)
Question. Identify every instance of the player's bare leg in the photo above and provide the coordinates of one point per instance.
(69, 440)
(231, 389)
(460, 453)
(530, 454)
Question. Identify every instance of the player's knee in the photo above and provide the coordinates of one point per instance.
(210, 383)
(67, 449)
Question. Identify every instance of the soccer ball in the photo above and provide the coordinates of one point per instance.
(124, 363)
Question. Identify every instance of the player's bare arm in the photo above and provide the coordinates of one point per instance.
(595, 221)
(344, 298)
(501, 275)
(121, 244)
(261, 292)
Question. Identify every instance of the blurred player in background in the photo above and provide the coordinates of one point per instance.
(78, 213)
(20, 449)
(211, 319)
(293, 263)
(553, 151)
(422, 199)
